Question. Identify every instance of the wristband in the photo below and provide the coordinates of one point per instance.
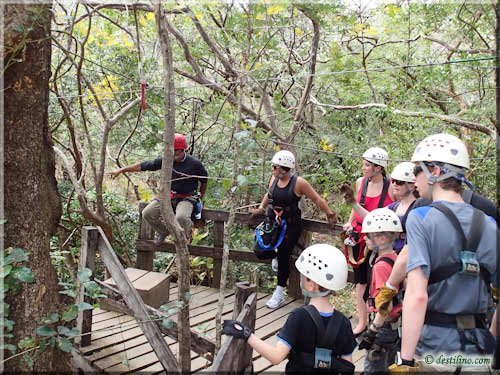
(388, 285)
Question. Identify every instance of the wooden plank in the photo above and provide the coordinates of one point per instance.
(245, 218)
(120, 342)
(82, 363)
(201, 250)
(90, 239)
(134, 301)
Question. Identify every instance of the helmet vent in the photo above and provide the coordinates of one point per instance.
(329, 276)
(454, 151)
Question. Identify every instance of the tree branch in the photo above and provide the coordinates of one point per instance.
(446, 118)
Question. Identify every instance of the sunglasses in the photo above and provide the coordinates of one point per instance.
(397, 182)
(373, 235)
(418, 169)
(279, 166)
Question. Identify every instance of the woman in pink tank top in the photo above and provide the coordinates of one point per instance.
(373, 191)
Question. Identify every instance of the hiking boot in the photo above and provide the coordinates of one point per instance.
(274, 264)
(276, 300)
(159, 238)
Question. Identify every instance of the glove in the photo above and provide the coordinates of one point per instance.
(332, 218)
(256, 212)
(348, 193)
(236, 329)
(494, 294)
(404, 369)
(384, 299)
(367, 339)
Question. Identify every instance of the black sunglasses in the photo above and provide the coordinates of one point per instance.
(417, 169)
(397, 182)
(279, 166)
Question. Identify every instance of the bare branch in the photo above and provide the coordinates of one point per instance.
(446, 118)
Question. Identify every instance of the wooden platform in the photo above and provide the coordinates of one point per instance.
(118, 344)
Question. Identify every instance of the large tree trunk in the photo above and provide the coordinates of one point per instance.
(32, 205)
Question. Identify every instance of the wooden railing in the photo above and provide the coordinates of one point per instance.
(146, 249)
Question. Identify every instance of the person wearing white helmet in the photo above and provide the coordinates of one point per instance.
(452, 261)
(381, 227)
(373, 190)
(403, 186)
(281, 202)
(316, 337)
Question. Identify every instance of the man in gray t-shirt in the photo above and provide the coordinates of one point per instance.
(444, 306)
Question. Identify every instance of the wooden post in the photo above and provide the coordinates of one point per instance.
(233, 356)
(90, 240)
(144, 258)
(243, 290)
(135, 303)
(218, 243)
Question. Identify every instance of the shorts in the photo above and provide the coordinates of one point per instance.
(361, 272)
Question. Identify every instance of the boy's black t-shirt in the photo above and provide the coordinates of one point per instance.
(299, 332)
(189, 166)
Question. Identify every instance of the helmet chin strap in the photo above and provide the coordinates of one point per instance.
(449, 171)
(307, 293)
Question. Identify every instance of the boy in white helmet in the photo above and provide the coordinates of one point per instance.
(317, 336)
(381, 227)
(282, 199)
(451, 263)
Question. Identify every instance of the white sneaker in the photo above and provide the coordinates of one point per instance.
(274, 264)
(276, 300)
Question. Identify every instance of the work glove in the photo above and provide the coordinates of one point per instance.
(404, 369)
(256, 212)
(383, 300)
(332, 218)
(348, 193)
(367, 339)
(494, 294)
(236, 329)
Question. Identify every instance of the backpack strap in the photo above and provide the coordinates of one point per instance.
(270, 191)
(363, 192)
(467, 196)
(470, 244)
(325, 337)
(385, 189)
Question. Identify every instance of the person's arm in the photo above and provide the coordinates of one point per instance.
(305, 188)
(261, 210)
(273, 353)
(414, 308)
(128, 168)
(398, 272)
(203, 189)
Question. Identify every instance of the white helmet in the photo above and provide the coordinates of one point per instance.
(381, 220)
(377, 155)
(404, 172)
(445, 148)
(325, 265)
(284, 158)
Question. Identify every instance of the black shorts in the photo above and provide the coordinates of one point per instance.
(361, 273)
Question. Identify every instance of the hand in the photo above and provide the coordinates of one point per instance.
(236, 329)
(115, 173)
(494, 294)
(348, 193)
(256, 212)
(332, 218)
(404, 369)
(367, 339)
(383, 300)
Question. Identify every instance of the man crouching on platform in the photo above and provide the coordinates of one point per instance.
(187, 173)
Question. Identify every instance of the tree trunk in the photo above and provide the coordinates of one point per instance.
(32, 205)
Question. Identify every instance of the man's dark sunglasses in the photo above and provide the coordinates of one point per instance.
(397, 182)
(417, 169)
(279, 166)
